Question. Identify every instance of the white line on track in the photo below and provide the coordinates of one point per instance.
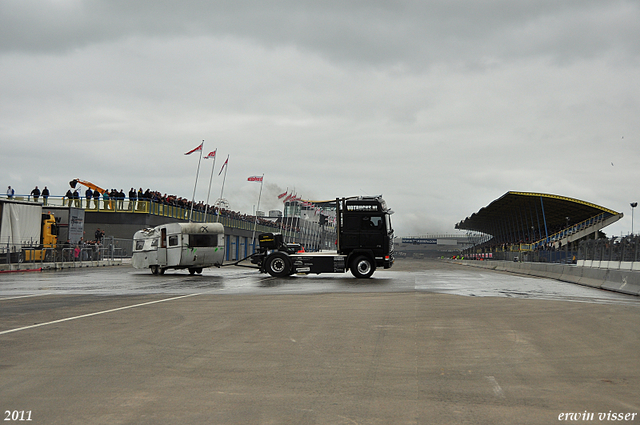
(25, 296)
(497, 390)
(96, 313)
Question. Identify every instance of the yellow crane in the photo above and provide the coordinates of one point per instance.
(90, 185)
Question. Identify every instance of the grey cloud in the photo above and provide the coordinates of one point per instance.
(441, 106)
(414, 33)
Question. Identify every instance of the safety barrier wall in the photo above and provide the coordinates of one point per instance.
(59, 258)
(614, 250)
(618, 280)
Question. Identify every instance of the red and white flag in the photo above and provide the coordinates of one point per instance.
(199, 148)
(223, 165)
(211, 154)
(255, 178)
(282, 195)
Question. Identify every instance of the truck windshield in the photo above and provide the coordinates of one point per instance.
(374, 222)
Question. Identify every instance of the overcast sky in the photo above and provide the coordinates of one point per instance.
(442, 106)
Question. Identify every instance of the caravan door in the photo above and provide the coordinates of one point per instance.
(162, 248)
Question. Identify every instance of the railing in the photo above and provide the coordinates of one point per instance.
(571, 230)
(135, 206)
(626, 249)
(541, 256)
(616, 250)
(312, 237)
(38, 256)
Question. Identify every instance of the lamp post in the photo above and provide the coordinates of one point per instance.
(633, 207)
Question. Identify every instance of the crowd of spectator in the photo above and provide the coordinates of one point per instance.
(118, 200)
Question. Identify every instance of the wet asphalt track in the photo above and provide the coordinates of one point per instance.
(424, 343)
(405, 276)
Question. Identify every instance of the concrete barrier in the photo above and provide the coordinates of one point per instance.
(24, 267)
(545, 270)
(593, 277)
(624, 280)
(627, 282)
(626, 265)
(570, 273)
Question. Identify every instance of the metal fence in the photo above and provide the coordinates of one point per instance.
(311, 234)
(626, 249)
(539, 256)
(614, 249)
(227, 218)
(111, 249)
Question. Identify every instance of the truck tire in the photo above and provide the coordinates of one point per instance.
(278, 264)
(362, 267)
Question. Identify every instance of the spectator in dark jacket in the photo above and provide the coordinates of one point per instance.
(36, 194)
(45, 195)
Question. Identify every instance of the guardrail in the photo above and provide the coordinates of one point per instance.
(626, 249)
(37, 257)
(540, 256)
(614, 250)
(137, 206)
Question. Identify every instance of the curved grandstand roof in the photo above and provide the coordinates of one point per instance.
(520, 211)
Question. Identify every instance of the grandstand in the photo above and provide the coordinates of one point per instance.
(528, 221)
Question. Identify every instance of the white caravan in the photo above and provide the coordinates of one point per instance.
(192, 246)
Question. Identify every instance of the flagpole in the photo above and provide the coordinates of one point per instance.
(206, 207)
(225, 165)
(193, 199)
(292, 216)
(255, 223)
(292, 212)
(286, 219)
(282, 222)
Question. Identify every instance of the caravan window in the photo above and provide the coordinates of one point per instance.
(173, 240)
(139, 245)
(202, 240)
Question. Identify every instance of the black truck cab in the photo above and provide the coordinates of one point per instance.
(364, 243)
(364, 230)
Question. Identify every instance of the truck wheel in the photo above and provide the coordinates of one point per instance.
(278, 265)
(362, 267)
(155, 270)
